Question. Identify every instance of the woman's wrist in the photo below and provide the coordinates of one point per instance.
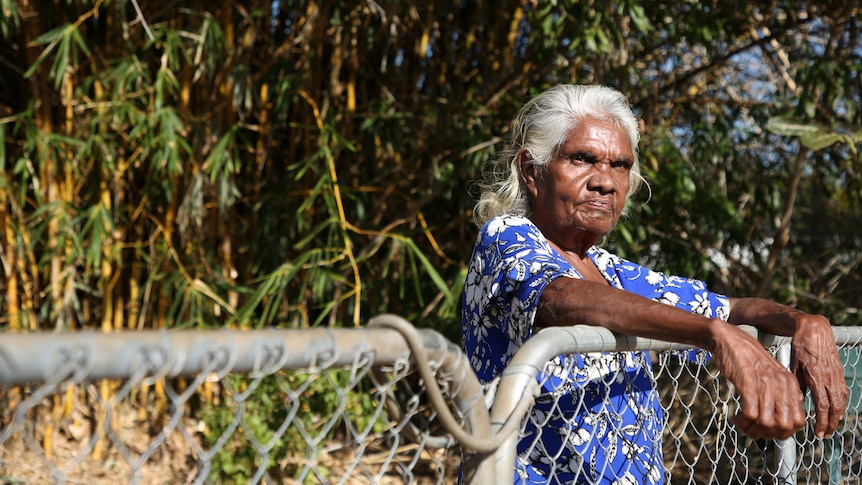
(721, 334)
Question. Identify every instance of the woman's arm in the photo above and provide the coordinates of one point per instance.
(814, 359)
(771, 397)
(569, 301)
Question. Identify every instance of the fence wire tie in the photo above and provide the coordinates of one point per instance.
(154, 361)
(361, 365)
(223, 359)
(72, 362)
(324, 358)
(490, 392)
(270, 355)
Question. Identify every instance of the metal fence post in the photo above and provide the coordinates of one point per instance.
(467, 393)
(518, 383)
(786, 449)
(785, 453)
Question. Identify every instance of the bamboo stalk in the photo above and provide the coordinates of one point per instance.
(10, 266)
(66, 312)
(106, 268)
(135, 300)
(260, 153)
(14, 269)
(100, 447)
(226, 121)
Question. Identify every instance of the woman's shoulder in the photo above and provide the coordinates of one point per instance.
(507, 230)
(508, 223)
(515, 238)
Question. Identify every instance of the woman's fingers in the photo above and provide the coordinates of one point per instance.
(816, 361)
(770, 398)
(772, 412)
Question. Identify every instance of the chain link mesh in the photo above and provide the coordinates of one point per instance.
(700, 445)
(359, 422)
(323, 423)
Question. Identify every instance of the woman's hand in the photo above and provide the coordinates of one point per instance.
(814, 355)
(770, 395)
(815, 361)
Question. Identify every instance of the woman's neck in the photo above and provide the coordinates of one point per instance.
(581, 261)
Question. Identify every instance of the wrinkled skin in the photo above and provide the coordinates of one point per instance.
(814, 355)
(815, 361)
(770, 396)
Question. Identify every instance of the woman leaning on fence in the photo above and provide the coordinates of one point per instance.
(547, 201)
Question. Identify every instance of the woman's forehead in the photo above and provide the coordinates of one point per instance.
(598, 133)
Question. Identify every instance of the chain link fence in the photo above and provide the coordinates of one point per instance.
(383, 404)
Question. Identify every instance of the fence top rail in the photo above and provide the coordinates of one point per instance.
(81, 355)
(88, 355)
(848, 336)
(56, 359)
(519, 377)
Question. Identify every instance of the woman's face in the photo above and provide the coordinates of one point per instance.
(580, 194)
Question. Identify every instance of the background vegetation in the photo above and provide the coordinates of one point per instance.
(174, 164)
(297, 163)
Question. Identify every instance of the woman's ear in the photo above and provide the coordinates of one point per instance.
(529, 172)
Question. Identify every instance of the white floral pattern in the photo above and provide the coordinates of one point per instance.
(598, 418)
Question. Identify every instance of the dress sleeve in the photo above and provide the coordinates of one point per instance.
(689, 294)
(512, 264)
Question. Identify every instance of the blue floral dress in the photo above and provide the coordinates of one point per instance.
(598, 418)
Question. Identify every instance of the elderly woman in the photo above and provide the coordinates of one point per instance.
(559, 189)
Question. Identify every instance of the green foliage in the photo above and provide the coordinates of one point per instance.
(276, 420)
(812, 135)
(63, 43)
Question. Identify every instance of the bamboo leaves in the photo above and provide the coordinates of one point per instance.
(9, 18)
(66, 44)
(168, 145)
(222, 164)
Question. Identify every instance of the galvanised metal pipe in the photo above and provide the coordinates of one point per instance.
(519, 379)
(785, 453)
(86, 356)
(847, 336)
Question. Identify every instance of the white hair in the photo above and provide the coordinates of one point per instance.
(541, 127)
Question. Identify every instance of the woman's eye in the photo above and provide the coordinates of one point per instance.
(582, 157)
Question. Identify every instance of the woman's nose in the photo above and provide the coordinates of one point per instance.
(601, 178)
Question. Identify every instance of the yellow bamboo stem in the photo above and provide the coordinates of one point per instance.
(160, 397)
(100, 447)
(261, 146)
(66, 192)
(68, 401)
(345, 224)
(10, 265)
(28, 271)
(143, 401)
